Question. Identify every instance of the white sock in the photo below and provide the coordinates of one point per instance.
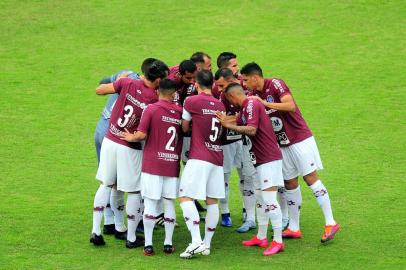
(249, 198)
(284, 204)
(160, 207)
(322, 197)
(134, 209)
(108, 214)
(192, 220)
(149, 218)
(100, 201)
(169, 218)
(275, 214)
(241, 184)
(224, 202)
(262, 216)
(117, 205)
(294, 199)
(212, 218)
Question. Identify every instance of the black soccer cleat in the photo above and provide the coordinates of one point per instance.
(149, 251)
(199, 207)
(169, 249)
(120, 235)
(109, 229)
(97, 240)
(137, 243)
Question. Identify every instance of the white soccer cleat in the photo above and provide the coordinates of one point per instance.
(193, 249)
(206, 252)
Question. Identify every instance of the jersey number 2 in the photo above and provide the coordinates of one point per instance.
(172, 131)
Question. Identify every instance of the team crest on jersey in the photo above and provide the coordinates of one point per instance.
(211, 103)
(276, 124)
(269, 99)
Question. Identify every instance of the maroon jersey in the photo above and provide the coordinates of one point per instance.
(183, 90)
(289, 127)
(133, 99)
(207, 132)
(161, 122)
(264, 144)
(231, 136)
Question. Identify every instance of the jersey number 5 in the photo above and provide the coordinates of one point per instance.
(215, 129)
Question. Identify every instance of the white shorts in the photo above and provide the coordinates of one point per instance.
(248, 169)
(300, 159)
(232, 156)
(120, 164)
(269, 175)
(185, 149)
(201, 179)
(155, 187)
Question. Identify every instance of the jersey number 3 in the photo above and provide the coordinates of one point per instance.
(128, 112)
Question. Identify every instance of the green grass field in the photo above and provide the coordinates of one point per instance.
(344, 61)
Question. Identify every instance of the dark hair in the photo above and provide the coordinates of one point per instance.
(205, 79)
(166, 86)
(198, 57)
(187, 66)
(157, 69)
(234, 86)
(224, 58)
(226, 73)
(146, 63)
(251, 69)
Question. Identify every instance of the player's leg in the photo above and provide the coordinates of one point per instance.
(169, 194)
(192, 187)
(149, 218)
(106, 173)
(322, 196)
(229, 153)
(248, 196)
(117, 205)
(129, 180)
(284, 206)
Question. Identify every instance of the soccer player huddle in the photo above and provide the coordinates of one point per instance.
(212, 123)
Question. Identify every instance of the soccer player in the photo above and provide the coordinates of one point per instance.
(184, 76)
(114, 211)
(160, 125)
(120, 161)
(300, 154)
(202, 61)
(229, 60)
(233, 156)
(254, 123)
(202, 177)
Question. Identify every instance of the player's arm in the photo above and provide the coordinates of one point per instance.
(105, 89)
(232, 125)
(186, 120)
(132, 137)
(287, 103)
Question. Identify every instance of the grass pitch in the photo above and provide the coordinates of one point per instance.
(343, 60)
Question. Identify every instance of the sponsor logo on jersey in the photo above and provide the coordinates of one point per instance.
(276, 124)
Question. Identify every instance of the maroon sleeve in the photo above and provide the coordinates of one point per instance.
(119, 84)
(146, 119)
(253, 112)
(281, 88)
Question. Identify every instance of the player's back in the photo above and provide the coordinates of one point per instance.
(161, 122)
(207, 132)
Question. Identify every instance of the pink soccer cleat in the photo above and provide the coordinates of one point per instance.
(329, 232)
(288, 233)
(274, 248)
(254, 241)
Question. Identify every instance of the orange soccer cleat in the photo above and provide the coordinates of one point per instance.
(254, 241)
(329, 232)
(288, 233)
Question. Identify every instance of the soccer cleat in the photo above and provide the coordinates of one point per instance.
(120, 235)
(137, 243)
(149, 251)
(273, 248)
(199, 207)
(226, 220)
(329, 232)
(288, 233)
(246, 226)
(254, 241)
(97, 240)
(109, 229)
(206, 252)
(193, 249)
(169, 249)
